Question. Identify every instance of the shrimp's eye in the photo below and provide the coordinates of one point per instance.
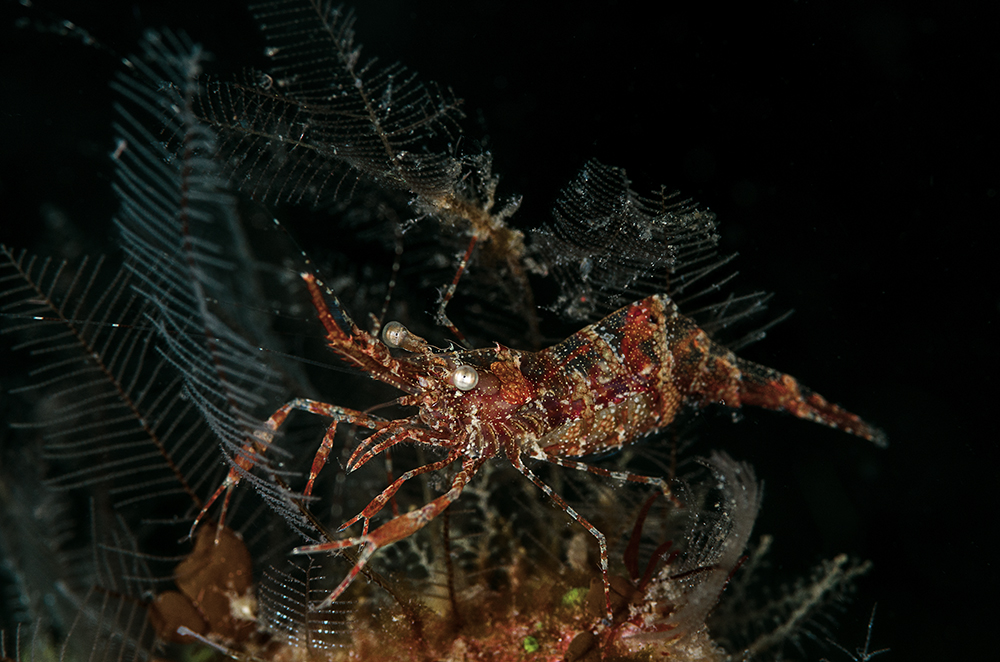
(465, 378)
(394, 334)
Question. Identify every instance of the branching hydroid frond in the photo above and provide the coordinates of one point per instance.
(188, 255)
(608, 245)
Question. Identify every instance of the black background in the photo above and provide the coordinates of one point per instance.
(849, 150)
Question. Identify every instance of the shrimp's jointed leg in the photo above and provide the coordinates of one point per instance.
(395, 529)
(449, 292)
(515, 458)
(623, 476)
(246, 458)
(379, 502)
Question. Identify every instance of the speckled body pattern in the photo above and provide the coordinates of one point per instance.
(602, 388)
(607, 386)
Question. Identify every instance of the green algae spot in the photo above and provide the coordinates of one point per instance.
(197, 653)
(574, 597)
(530, 644)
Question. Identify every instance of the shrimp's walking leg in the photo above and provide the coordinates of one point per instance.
(395, 529)
(608, 473)
(378, 502)
(449, 292)
(383, 440)
(246, 458)
(515, 458)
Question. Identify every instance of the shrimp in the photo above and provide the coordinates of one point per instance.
(603, 388)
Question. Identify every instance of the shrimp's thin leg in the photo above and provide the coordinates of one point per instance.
(246, 458)
(449, 292)
(388, 476)
(609, 473)
(319, 460)
(515, 458)
(395, 529)
(379, 502)
(382, 441)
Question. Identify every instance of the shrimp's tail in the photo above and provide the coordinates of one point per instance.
(763, 387)
(714, 374)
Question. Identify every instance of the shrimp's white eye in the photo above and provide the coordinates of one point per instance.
(394, 334)
(465, 378)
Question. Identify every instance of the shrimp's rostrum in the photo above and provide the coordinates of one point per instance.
(602, 388)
